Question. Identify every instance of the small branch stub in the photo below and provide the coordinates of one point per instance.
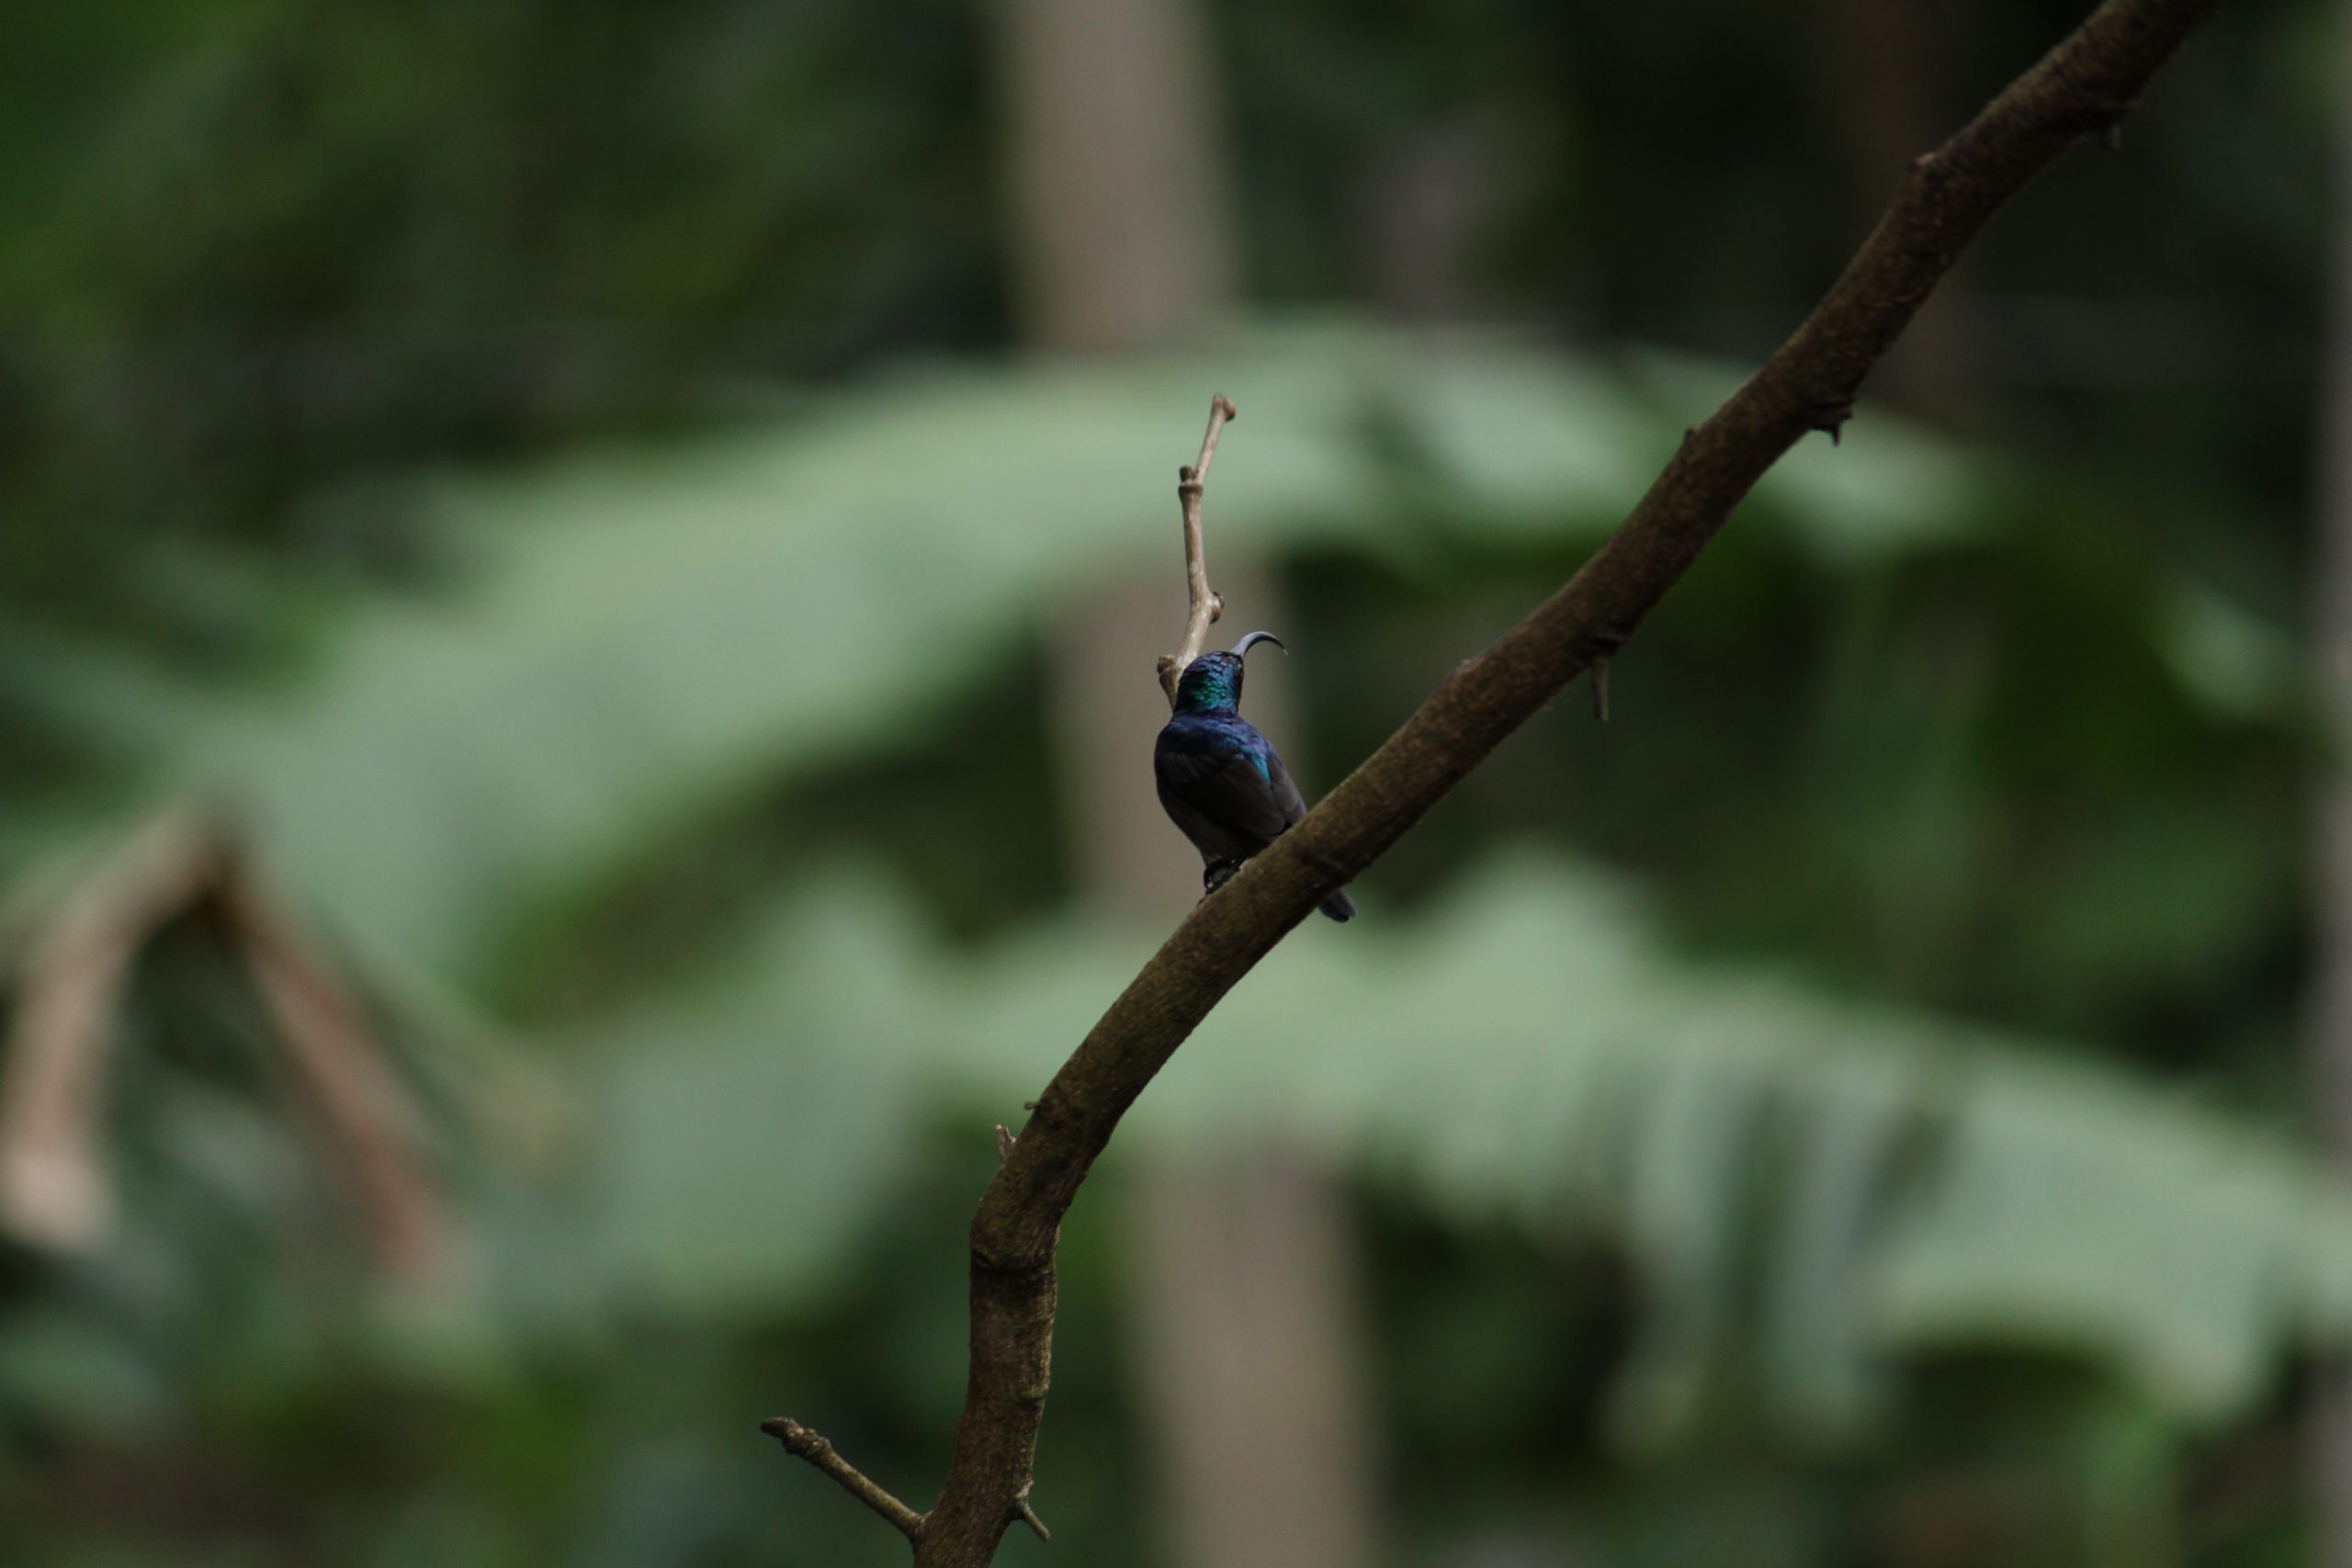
(805, 1443)
(1028, 1514)
(1205, 605)
(1606, 644)
(1829, 417)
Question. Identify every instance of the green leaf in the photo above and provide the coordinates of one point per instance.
(1874, 1182)
(646, 634)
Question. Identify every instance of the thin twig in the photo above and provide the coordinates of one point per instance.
(1205, 607)
(807, 1444)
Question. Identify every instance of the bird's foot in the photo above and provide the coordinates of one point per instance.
(1217, 873)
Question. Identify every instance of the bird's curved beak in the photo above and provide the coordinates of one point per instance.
(1247, 643)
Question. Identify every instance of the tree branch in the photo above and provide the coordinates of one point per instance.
(811, 1446)
(2085, 85)
(1205, 606)
(53, 1185)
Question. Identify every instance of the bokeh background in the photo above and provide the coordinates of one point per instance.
(575, 672)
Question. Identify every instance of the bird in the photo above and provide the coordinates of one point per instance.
(1219, 780)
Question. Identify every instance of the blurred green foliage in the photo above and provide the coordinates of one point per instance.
(1846, 1110)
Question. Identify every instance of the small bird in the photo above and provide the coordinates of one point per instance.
(1222, 781)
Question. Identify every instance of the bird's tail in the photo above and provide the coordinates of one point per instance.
(1338, 906)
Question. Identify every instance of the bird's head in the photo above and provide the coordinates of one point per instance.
(1213, 681)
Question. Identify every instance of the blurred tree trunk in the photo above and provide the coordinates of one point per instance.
(2332, 1003)
(1428, 193)
(1878, 86)
(1245, 1288)
(1122, 232)
(1247, 1316)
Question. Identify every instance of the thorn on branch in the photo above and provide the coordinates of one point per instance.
(1606, 644)
(1829, 415)
(1027, 1515)
(804, 1443)
(1004, 1142)
(2104, 121)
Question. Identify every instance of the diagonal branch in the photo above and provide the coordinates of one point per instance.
(367, 1117)
(1205, 606)
(2085, 85)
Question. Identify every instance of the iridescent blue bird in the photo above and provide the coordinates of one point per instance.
(1221, 781)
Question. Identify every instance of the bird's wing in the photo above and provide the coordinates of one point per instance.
(1286, 795)
(1225, 787)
